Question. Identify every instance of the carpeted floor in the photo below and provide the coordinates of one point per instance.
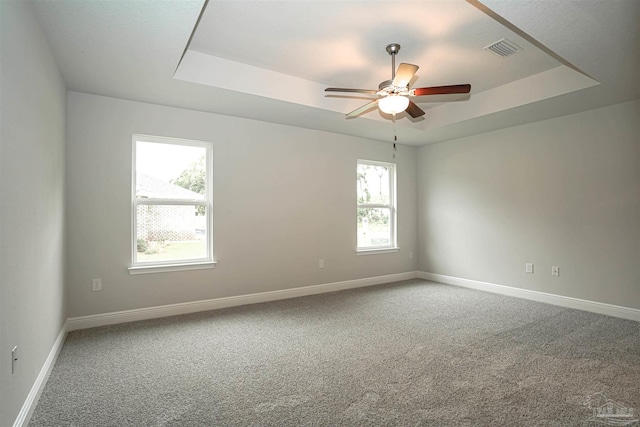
(413, 353)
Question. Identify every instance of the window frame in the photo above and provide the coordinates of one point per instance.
(392, 206)
(138, 267)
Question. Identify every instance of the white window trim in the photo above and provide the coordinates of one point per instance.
(172, 265)
(393, 247)
(157, 268)
(385, 250)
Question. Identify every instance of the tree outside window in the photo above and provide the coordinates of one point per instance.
(376, 210)
(171, 201)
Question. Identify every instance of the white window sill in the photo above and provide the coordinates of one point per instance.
(374, 251)
(155, 268)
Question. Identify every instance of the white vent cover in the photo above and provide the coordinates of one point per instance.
(503, 48)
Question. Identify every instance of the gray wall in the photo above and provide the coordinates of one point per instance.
(284, 197)
(561, 192)
(32, 139)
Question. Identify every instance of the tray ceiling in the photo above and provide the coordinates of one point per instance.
(271, 60)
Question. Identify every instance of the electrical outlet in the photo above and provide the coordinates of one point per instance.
(528, 268)
(14, 358)
(97, 285)
(410, 255)
(555, 271)
(321, 263)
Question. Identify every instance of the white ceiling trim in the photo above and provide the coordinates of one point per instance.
(209, 70)
(201, 68)
(547, 84)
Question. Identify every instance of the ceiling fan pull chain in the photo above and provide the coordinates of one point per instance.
(395, 139)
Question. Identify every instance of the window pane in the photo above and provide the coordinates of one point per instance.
(170, 171)
(374, 227)
(373, 184)
(169, 232)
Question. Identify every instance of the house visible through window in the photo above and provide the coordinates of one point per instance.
(172, 193)
(376, 212)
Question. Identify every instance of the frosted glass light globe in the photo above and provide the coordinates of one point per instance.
(393, 104)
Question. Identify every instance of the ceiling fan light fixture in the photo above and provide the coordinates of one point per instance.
(393, 104)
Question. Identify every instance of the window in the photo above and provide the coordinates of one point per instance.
(172, 204)
(376, 212)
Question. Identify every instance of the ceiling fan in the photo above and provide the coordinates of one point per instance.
(393, 95)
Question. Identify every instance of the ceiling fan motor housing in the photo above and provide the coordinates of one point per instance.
(386, 86)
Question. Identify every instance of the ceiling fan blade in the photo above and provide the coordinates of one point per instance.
(362, 109)
(450, 97)
(404, 74)
(414, 111)
(441, 90)
(340, 89)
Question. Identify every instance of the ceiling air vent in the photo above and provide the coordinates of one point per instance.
(503, 48)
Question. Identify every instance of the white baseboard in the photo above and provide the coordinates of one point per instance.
(83, 322)
(30, 402)
(569, 302)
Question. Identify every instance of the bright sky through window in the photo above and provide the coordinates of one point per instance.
(165, 161)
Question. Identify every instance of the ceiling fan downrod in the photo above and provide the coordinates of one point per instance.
(393, 49)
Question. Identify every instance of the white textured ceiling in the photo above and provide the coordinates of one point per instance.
(271, 60)
(343, 43)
